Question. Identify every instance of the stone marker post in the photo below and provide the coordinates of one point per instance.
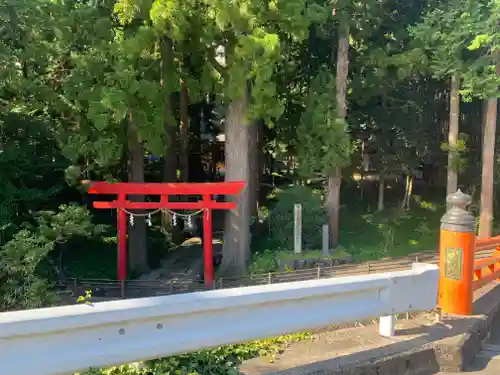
(325, 250)
(297, 228)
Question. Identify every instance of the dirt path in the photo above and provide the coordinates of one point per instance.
(184, 264)
(180, 265)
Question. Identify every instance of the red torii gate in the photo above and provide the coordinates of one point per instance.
(207, 204)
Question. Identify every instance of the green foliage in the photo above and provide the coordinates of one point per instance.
(71, 220)
(222, 360)
(482, 79)
(393, 232)
(452, 34)
(267, 260)
(310, 254)
(459, 162)
(324, 142)
(281, 218)
(20, 286)
(257, 49)
(75, 77)
(29, 163)
(264, 261)
(137, 368)
(23, 282)
(444, 39)
(85, 298)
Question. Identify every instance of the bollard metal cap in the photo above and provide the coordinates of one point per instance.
(458, 218)
(459, 199)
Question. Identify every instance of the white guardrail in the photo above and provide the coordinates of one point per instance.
(63, 340)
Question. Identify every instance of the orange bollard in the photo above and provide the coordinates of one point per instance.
(496, 253)
(456, 256)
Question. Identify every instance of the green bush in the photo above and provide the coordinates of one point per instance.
(281, 218)
(223, 360)
(263, 261)
(24, 266)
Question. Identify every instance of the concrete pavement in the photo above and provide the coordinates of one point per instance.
(420, 347)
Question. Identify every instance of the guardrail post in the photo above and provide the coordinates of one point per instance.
(456, 256)
(387, 326)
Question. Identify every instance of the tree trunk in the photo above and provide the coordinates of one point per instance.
(333, 206)
(486, 209)
(335, 179)
(405, 197)
(138, 255)
(364, 168)
(408, 192)
(236, 248)
(197, 173)
(168, 85)
(381, 193)
(170, 163)
(255, 169)
(452, 180)
(184, 134)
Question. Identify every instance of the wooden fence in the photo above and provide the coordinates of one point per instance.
(102, 289)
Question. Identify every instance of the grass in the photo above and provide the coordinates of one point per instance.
(311, 254)
(372, 235)
(393, 232)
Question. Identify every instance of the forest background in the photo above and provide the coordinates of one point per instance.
(367, 113)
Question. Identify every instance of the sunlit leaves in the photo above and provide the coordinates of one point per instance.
(479, 41)
(462, 36)
(324, 143)
(126, 10)
(442, 40)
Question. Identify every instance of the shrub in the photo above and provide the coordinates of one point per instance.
(223, 360)
(281, 218)
(264, 261)
(23, 281)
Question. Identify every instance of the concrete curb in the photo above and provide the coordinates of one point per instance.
(456, 352)
(421, 361)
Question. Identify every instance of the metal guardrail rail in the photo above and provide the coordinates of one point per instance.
(68, 339)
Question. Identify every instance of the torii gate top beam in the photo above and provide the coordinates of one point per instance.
(167, 188)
